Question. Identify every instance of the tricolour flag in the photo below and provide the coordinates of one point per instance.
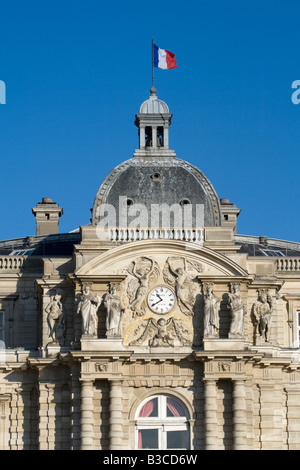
(163, 59)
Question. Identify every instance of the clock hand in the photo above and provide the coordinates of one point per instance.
(157, 302)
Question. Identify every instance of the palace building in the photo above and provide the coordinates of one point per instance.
(156, 326)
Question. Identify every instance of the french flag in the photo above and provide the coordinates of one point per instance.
(163, 59)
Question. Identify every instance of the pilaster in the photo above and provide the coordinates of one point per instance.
(293, 413)
(271, 416)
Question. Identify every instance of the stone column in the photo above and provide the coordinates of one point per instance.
(210, 414)
(142, 137)
(166, 137)
(75, 408)
(46, 416)
(87, 415)
(239, 415)
(116, 418)
(154, 137)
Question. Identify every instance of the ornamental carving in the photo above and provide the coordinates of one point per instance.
(224, 366)
(162, 333)
(101, 366)
(180, 274)
(145, 272)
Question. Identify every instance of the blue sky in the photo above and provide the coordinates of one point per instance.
(76, 73)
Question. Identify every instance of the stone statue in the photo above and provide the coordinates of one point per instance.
(262, 311)
(179, 278)
(56, 320)
(163, 333)
(211, 313)
(88, 307)
(238, 311)
(114, 315)
(143, 270)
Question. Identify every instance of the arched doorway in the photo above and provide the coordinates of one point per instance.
(162, 422)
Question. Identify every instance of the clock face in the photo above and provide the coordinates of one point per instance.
(161, 300)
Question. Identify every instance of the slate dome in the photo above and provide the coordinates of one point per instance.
(169, 181)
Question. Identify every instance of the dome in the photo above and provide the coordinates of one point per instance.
(155, 180)
(153, 105)
(158, 181)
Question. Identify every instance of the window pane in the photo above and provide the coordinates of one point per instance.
(176, 439)
(148, 439)
(150, 409)
(174, 409)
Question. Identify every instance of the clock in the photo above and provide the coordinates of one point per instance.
(161, 299)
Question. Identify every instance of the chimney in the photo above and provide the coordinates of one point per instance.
(47, 215)
(230, 214)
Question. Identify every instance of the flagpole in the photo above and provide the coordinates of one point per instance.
(152, 63)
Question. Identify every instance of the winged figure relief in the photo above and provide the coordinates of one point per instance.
(162, 333)
(145, 272)
(180, 274)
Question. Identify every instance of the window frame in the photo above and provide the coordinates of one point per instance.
(163, 423)
(271, 253)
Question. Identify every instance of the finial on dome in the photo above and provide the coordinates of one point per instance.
(153, 91)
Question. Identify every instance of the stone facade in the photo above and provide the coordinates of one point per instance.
(161, 339)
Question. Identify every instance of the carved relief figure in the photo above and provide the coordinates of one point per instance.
(114, 314)
(56, 320)
(262, 311)
(238, 311)
(176, 274)
(145, 270)
(163, 333)
(162, 337)
(211, 313)
(88, 307)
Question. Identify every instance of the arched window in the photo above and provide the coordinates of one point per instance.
(162, 423)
